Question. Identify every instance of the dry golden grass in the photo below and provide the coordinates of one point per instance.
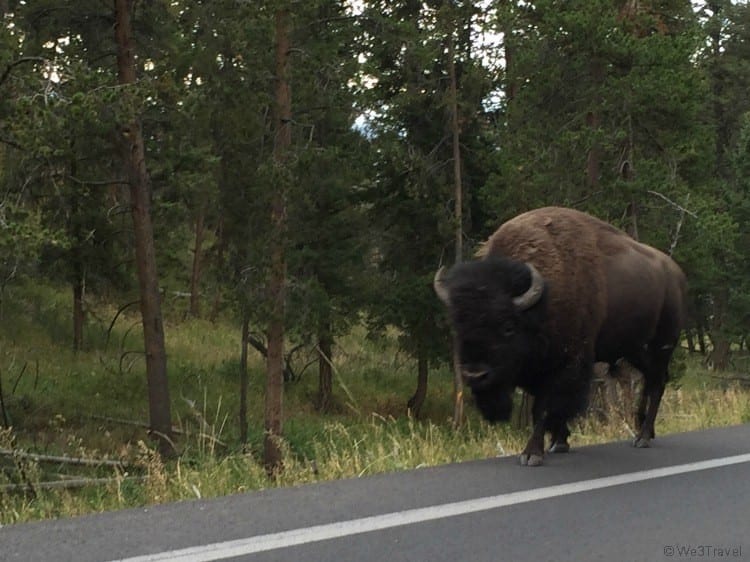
(57, 401)
(348, 450)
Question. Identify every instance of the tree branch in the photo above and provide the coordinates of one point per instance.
(62, 460)
(98, 182)
(18, 62)
(12, 143)
(675, 205)
(66, 484)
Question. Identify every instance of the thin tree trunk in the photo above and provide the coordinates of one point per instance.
(632, 226)
(325, 368)
(417, 400)
(721, 351)
(690, 340)
(593, 121)
(197, 269)
(244, 380)
(220, 264)
(134, 158)
(701, 338)
(78, 314)
(272, 454)
(458, 401)
(511, 86)
(523, 417)
(77, 265)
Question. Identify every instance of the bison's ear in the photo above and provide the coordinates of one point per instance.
(533, 293)
(441, 289)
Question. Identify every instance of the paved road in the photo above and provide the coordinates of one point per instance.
(609, 502)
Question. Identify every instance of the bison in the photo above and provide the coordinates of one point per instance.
(554, 291)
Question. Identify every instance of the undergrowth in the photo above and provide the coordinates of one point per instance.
(92, 404)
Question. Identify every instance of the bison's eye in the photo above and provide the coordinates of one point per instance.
(508, 329)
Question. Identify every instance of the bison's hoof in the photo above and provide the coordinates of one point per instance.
(641, 443)
(531, 459)
(559, 447)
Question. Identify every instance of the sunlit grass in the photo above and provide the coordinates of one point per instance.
(60, 402)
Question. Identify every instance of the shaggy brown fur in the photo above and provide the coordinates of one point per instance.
(607, 297)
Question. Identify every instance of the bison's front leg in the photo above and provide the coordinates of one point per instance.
(533, 453)
(560, 433)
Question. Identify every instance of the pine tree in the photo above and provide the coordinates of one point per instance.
(413, 133)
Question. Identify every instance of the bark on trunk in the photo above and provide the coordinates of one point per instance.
(511, 86)
(458, 401)
(523, 417)
(593, 122)
(632, 226)
(593, 156)
(417, 400)
(197, 269)
(721, 351)
(690, 341)
(133, 153)
(220, 264)
(272, 454)
(325, 369)
(77, 265)
(720, 354)
(244, 380)
(78, 314)
(701, 339)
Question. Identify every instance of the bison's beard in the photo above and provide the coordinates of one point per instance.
(495, 404)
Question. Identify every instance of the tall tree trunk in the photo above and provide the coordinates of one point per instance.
(701, 338)
(272, 454)
(244, 382)
(511, 86)
(197, 269)
(721, 352)
(690, 340)
(593, 121)
(221, 246)
(632, 226)
(593, 156)
(721, 344)
(78, 314)
(417, 400)
(134, 157)
(77, 265)
(458, 401)
(325, 366)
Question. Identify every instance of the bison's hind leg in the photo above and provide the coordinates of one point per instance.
(565, 404)
(655, 376)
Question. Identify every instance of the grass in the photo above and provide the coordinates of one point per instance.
(60, 402)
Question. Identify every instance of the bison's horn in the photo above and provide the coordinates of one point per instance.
(439, 285)
(533, 293)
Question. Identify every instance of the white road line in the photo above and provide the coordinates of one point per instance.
(305, 535)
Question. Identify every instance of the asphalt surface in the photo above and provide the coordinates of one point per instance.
(607, 502)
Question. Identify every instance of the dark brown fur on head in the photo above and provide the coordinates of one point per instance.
(606, 297)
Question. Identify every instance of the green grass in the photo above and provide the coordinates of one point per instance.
(58, 401)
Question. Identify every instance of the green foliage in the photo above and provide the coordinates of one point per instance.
(410, 199)
(52, 400)
(634, 111)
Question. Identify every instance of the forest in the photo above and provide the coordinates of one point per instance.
(220, 220)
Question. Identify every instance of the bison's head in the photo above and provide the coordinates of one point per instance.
(497, 308)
